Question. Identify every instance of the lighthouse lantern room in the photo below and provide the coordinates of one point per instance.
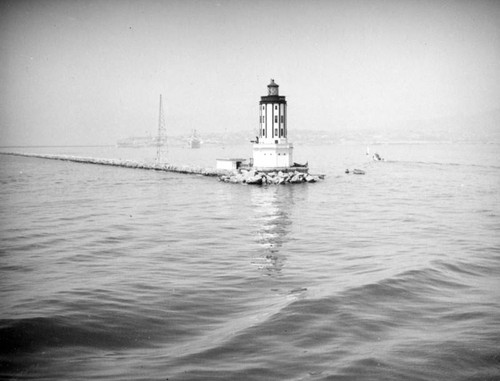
(271, 149)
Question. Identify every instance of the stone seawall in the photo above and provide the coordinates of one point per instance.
(192, 170)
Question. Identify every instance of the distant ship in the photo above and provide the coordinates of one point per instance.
(194, 140)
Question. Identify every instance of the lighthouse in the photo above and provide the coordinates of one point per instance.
(271, 149)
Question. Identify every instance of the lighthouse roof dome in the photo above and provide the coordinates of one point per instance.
(272, 84)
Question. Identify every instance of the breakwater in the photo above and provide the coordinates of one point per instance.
(242, 176)
(186, 169)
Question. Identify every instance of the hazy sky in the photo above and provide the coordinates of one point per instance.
(90, 72)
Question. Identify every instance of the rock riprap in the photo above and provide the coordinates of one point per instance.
(264, 178)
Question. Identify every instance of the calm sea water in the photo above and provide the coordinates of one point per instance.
(120, 274)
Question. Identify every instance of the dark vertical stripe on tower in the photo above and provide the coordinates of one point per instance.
(265, 119)
(284, 122)
(282, 110)
(272, 121)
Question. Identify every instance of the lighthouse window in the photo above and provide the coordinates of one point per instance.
(275, 107)
(281, 131)
(276, 119)
(281, 118)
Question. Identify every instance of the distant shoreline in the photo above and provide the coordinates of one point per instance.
(305, 143)
(60, 146)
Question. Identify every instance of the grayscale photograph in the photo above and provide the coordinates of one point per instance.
(250, 190)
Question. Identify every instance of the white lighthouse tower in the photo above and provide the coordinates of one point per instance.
(271, 149)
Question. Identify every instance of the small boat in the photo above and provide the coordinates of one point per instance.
(376, 157)
(358, 172)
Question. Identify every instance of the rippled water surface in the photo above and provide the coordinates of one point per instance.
(113, 273)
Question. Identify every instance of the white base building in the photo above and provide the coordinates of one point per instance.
(272, 156)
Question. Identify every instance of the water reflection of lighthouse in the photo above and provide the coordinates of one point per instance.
(270, 213)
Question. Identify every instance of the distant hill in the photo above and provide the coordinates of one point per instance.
(480, 128)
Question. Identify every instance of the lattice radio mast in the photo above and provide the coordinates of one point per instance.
(161, 139)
